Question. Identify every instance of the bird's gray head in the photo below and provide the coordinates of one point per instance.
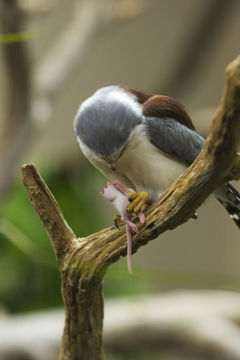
(105, 121)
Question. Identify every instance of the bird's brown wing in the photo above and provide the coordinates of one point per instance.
(169, 126)
(161, 106)
(141, 95)
(165, 107)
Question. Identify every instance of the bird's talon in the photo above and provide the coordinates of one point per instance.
(132, 196)
(117, 220)
(138, 201)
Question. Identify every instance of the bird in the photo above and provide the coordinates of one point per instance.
(143, 140)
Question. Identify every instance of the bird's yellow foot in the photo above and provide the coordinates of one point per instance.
(117, 221)
(138, 201)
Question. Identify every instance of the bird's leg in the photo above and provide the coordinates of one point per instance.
(138, 202)
(117, 220)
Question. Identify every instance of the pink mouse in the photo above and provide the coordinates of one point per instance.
(118, 194)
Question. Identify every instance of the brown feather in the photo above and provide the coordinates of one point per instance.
(141, 95)
(166, 107)
(161, 106)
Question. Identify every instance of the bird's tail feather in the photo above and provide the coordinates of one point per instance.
(229, 197)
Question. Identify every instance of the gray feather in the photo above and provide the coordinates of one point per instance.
(104, 123)
(185, 144)
(174, 138)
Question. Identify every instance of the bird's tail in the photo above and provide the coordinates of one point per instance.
(229, 197)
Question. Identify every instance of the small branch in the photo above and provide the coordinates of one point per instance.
(83, 262)
(235, 171)
(60, 234)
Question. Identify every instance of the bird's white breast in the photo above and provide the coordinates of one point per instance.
(146, 167)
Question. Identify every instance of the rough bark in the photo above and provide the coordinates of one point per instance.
(83, 302)
(84, 261)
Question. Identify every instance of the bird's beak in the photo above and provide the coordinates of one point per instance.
(112, 166)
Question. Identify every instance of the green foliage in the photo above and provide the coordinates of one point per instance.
(29, 275)
(16, 37)
(119, 282)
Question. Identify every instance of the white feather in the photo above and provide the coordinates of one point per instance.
(147, 167)
(112, 94)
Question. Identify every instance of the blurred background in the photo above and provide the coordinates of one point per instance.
(53, 55)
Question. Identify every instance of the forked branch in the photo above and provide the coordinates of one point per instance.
(84, 261)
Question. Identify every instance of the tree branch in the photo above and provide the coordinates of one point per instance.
(60, 234)
(235, 171)
(84, 261)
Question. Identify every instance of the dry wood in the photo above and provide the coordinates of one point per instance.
(84, 261)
